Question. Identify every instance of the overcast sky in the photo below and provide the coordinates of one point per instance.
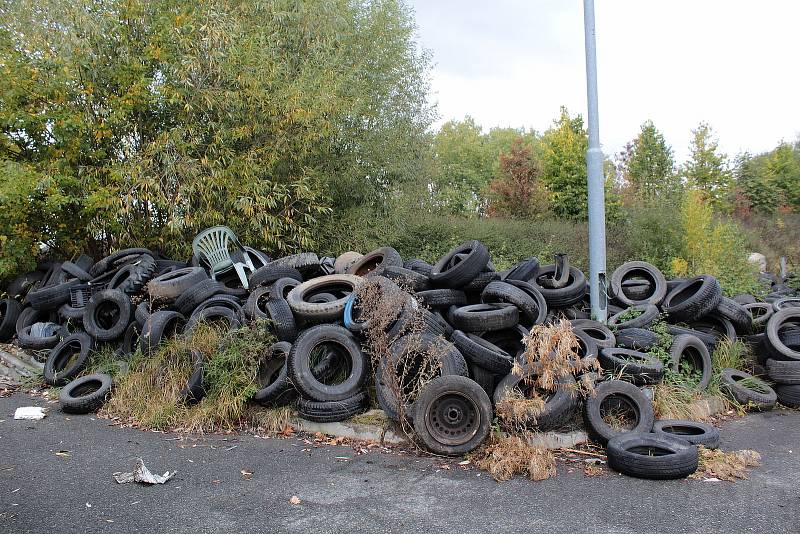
(732, 63)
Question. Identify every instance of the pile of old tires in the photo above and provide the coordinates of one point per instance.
(473, 318)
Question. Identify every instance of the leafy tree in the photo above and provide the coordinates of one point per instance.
(707, 168)
(648, 166)
(782, 171)
(463, 166)
(761, 195)
(518, 191)
(132, 122)
(564, 148)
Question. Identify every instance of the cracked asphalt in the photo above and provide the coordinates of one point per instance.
(340, 491)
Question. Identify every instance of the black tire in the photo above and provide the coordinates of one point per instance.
(194, 390)
(736, 314)
(67, 313)
(307, 263)
(60, 367)
(159, 327)
(130, 340)
(649, 315)
(759, 312)
(190, 299)
(640, 269)
(525, 271)
(566, 296)
(480, 282)
(485, 317)
(693, 299)
(170, 286)
(640, 368)
(709, 340)
(282, 287)
(27, 341)
(341, 284)
(283, 323)
(442, 298)
(29, 316)
(587, 351)
(691, 431)
(107, 315)
(375, 260)
(20, 285)
(480, 352)
(141, 313)
(485, 379)
(745, 299)
(559, 404)
(531, 311)
(448, 273)
(685, 347)
(759, 394)
(332, 411)
(788, 395)
(9, 313)
(615, 394)
(636, 339)
(406, 278)
(214, 314)
(602, 335)
(408, 350)
(132, 278)
(255, 306)
(419, 266)
(781, 320)
(75, 271)
(269, 274)
(453, 415)
(786, 302)
(300, 365)
(531, 290)
(784, 372)
(652, 456)
(510, 340)
(716, 325)
(51, 297)
(109, 261)
(85, 394)
(275, 389)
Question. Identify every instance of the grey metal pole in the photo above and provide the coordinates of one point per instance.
(594, 167)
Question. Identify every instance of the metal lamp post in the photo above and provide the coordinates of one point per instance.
(594, 166)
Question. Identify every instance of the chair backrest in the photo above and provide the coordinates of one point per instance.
(213, 245)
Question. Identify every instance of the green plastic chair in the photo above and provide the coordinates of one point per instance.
(213, 247)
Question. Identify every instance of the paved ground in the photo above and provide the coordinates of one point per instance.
(41, 491)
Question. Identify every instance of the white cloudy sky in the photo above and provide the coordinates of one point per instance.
(732, 63)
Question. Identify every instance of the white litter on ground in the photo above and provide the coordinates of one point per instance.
(30, 412)
(143, 475)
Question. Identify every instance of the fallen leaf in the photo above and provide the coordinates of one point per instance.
(287, 431)
(294, 500)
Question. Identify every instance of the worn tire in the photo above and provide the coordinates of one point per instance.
(736, 314)
(640, 367)
(107, 315)
(650, 315)
(658, 284)
(763, 398)
(345, 284)
(132, 278)
(9, 313)
(332, 411)
(447, 273)
(778, 348)
(531, 310)
(602, 335)
(275, 389)
(636, 339)
(485, 317)
(784, 372)
(559, 404)
(269, 274)
(56, 370)
(453, 415)
(442, 298)
(190, 299)
(170, 286)
(283, 323)
(300, 366)
(693, 299)
(214, 314)
(375, 260)
(694, 432)
(562, 297)
(85, 394)
(692, 348)
(480, 352)
(620, 392)
(788, 395)
(345, 260)
(159, 327)
(631, 454)
(29, 342)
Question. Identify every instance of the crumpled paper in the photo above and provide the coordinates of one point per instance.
(143, 475)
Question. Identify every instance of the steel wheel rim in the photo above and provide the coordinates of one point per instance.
(452, 418)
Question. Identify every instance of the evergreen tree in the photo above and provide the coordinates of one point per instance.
(707, 168)
(649, 166)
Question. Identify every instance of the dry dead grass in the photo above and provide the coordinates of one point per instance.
(730, 466)
(515, 410)
(504, 457)
(552, 351)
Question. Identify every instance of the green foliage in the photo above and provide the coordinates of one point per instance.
(653, 232)
(714, 246)
(564, 148)
(707, 168)
(649, 167)
(140, 123)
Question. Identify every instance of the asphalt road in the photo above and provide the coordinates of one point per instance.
(341, 491)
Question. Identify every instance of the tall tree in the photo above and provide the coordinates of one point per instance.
(564, 148)
(782, 171)
(648, 166)
(517, 191)
(707, 168)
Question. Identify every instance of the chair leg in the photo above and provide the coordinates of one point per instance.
(242, 276)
